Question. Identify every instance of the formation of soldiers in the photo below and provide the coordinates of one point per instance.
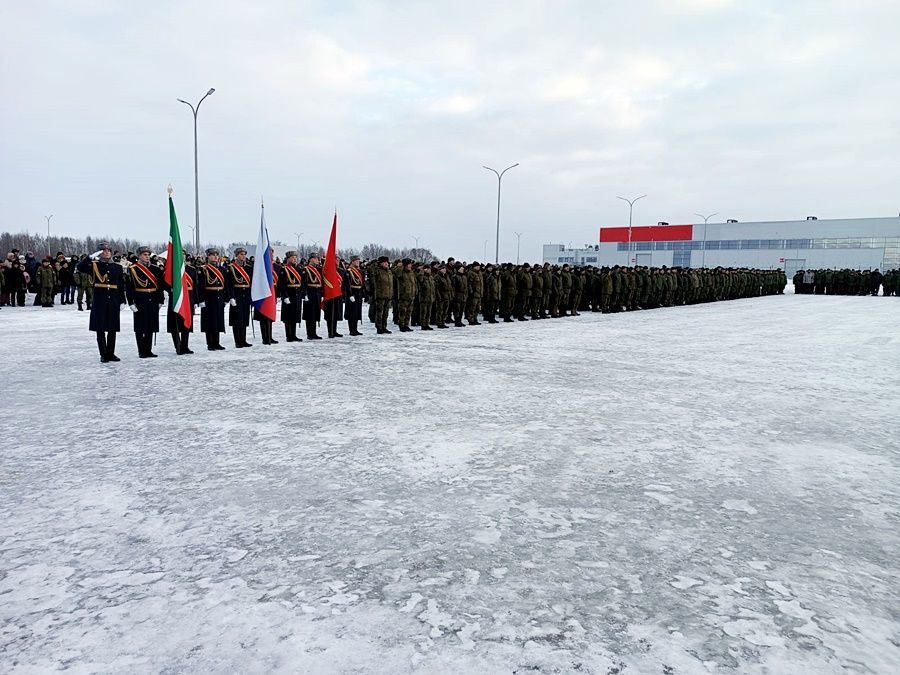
(426, 295)
(846, 282)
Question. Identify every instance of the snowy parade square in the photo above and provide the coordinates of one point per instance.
(698, 489)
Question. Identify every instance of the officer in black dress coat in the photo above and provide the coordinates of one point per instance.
(144, 292)
(211, 291)
(354, 294)
(108, 279)
(175, 322)
(290, 288)
(312, 292)
(237, 284)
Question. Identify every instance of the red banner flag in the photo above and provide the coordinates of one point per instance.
(330, 274)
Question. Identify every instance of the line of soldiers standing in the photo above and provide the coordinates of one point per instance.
(436, 294)
(443, 293)
(846, 282)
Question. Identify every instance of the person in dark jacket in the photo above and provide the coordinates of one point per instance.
(354, 295)
(238, 278)
(312, 294)
(211, 292)
(109, 298)
(290, 288)
(144, 293)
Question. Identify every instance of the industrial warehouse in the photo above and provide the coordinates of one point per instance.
(789, 245)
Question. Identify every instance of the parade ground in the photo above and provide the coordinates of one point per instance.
(710, 488)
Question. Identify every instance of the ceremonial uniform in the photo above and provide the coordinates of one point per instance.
(354, 293)
(174, 321)
(237, 290)
(211, 291)
(290, 287)
(145, 295)
(312, 303)
(109, 295)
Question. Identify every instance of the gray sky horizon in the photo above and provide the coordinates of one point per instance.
(388, 110)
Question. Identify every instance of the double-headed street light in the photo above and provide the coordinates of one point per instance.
(195, 109)
(518, 242)
(630, 211)
(499, 180)
(705, 221)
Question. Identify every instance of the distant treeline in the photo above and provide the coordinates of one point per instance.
(41, 245)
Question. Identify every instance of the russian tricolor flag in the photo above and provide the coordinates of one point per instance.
(262, 286)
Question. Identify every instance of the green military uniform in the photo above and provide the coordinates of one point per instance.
(46, 277)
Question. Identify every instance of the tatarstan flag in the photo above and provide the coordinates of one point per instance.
(176, 276)
(330, 271)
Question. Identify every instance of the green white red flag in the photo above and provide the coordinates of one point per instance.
(176, 276)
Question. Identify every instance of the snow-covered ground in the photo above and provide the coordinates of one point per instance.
(689, 490)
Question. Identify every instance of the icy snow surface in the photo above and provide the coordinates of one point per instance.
(688, 490)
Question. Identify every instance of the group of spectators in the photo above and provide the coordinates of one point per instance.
(48, 277)
(846, 282)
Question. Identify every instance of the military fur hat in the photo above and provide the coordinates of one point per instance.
(143, 249)
(290, 253)
(383, 259)
(103, 245)
(407, 261)
(240, 249)
(212, 251)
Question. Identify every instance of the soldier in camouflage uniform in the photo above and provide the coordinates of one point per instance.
(475, 281)
(426, 297)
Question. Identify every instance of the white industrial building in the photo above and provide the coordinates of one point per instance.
(854, 243)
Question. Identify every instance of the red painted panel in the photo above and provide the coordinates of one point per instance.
(650, 233)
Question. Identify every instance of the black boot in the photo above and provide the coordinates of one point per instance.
(80, 308)
(139, 338)
(311, 331)
(185, 337)
(101, 345)
(111, 347)
(148, 346)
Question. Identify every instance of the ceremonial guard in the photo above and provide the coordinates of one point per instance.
(290, 286)
(108, 279)
(265, 323)
(333, 308)
(354, 294)
(312, 292)
(145, 295)
(237, 285)
(211, 291)
(174, 321)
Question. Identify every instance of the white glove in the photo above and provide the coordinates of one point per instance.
(287, 301)
(352, 299)
(133, 308)
(232, 302)
(122, 306)
(202, 305)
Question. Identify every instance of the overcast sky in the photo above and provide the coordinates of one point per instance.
(388, 110)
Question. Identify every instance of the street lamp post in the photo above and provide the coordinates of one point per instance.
(195, 110)
(705, 221)
(416, 250)
(630, 211)
(499, 181)
(518, 242)
(299, 234)
(47, 218)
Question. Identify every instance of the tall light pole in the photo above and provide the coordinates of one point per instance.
(499, 181)
(518, 242)
(299, 234)
(195, 109)
(705, 221)
(630, 211)
(47, 218)
(416, 250)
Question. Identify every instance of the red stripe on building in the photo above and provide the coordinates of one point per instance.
(613, 235)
